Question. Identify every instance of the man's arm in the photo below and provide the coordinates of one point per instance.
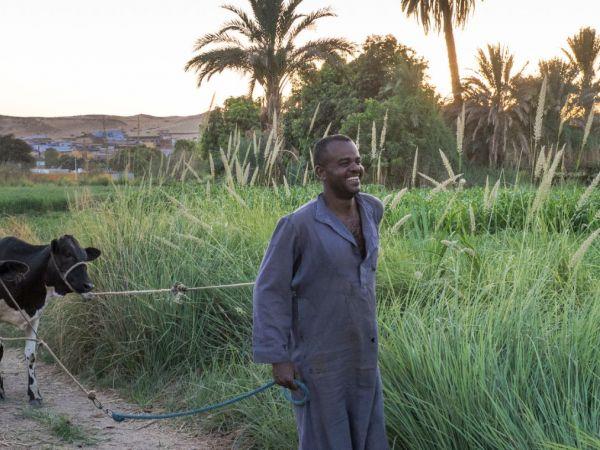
(272, 304)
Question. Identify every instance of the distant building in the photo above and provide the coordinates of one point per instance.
(115, 136)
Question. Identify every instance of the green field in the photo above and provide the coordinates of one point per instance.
(488, 311)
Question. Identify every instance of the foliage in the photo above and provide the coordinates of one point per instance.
(496, 118)
(583, 52)
(185, 146)
(414, 121)
(51, 157)
(140, 160)
(239, 114)
(263, 45)
(446, 15)
(385, 77)
(488, 326)
(14, 150)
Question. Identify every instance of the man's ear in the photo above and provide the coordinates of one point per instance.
(320, 172)
(54, 246)
(92, 253)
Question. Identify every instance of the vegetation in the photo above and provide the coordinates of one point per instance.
(583, 53)
(263, 45)
(15, 151)
(446, 15)
(488, 305)
(140, 160)
(61, 426)
(45, 198)
(495, 120)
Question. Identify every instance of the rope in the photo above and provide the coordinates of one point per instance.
(175, 289)
(120, 417)
(89, 394)
(64, 276)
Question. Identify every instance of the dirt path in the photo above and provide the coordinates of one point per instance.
(24, 427)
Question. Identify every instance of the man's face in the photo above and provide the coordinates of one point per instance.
(342, 169)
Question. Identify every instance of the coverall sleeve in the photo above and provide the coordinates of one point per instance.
(272, 297)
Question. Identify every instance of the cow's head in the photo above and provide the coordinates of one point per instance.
(69, 260)
(12, 271)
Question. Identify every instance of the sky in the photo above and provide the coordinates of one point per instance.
(126, 57)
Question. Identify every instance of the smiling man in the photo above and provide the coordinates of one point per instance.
(314, 306)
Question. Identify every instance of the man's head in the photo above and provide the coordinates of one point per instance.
(338, 165)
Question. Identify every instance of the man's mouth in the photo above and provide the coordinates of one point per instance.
(353, 179)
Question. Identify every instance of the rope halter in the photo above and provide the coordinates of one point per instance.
(63, 276)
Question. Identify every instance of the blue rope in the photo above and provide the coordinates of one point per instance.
(120, 417)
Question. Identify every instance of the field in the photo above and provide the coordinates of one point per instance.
(488, 308)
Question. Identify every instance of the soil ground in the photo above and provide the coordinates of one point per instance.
(23, 427)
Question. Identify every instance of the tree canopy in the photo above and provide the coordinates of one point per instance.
(263, 45)
(14, 150)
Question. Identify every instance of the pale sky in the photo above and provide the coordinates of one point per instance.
(68, 57)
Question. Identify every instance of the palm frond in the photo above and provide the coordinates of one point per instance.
(307, 21)
(210, 62)
(220, 37)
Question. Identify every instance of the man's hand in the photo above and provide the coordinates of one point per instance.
(284, 374)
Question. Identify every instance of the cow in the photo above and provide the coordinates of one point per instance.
(54, 271)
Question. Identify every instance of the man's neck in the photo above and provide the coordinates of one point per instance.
(339, 206)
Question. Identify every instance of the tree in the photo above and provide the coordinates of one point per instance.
(335, 91)
(140, 160)
(414, 121)
(185, 146)
(583, 52)
(495, 115)
(262, 45)
(443, 14)
(14, 150)
(560, 94)
(51, 157)
(239, 114)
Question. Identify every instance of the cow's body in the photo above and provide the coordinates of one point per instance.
(54, 270)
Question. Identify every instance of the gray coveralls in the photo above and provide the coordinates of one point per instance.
(314, 305)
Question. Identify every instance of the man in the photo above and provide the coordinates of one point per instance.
(314, 306)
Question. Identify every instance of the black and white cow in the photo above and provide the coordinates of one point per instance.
(54, 270)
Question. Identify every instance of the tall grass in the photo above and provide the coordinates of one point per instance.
(488, 332)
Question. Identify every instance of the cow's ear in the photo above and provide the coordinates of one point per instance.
(92, 253)
(54, 246)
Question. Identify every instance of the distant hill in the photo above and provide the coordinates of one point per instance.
(75, 126)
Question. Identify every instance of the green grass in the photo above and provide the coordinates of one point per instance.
(487, 341)
(60, 425)
(44, 198)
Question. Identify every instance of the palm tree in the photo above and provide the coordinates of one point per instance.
(583, 52)
(495, 115)
(561, 95)
(262, 44)
(443, 14)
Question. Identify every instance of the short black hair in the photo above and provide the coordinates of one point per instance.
(322, 145)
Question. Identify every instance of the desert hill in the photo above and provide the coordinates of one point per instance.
(75, 126)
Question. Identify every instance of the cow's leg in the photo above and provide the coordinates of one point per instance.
(33, 391)
(1, 382)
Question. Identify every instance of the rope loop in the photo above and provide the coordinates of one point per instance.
(300, 401)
